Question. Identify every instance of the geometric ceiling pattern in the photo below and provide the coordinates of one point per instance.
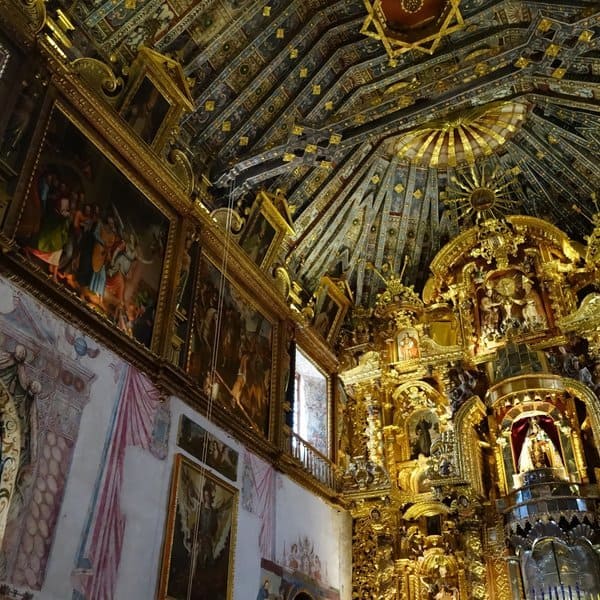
(290, 95)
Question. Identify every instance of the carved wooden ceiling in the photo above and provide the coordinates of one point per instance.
(376, 152)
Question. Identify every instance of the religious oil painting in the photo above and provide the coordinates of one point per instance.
(199, 547)
(257, 238)
(269, 223)
(93, 231)
(147, 111)
(330, 307)
(204, 446)
(232, 351)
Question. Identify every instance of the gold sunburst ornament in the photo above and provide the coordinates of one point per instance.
(477, 193)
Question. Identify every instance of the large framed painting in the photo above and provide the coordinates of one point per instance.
(90, 223)
(200, 537)
(239, 372)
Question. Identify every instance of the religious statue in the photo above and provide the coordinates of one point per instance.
(538, 451)
(534, 315)
(490, 313)
(422, 443)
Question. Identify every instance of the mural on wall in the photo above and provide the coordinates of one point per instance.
(93, 230)
(258, 498)
(200, 539)
(283, 581)
(44, 394)
(241, 373)
(301, 556)
(207, 448)
(141, 419)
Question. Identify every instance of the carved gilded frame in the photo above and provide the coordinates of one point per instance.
(166, 77)
(114, 160)
(266, 211)
(239, 288)
(329, 295)
(206, 478)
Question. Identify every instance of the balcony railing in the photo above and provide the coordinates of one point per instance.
(312, 461)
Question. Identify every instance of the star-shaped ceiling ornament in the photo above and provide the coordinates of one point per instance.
(403, 25)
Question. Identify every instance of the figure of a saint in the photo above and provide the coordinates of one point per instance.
(538, 451)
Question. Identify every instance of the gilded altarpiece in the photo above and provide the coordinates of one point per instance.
(469, 407)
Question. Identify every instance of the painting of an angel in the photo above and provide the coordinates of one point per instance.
(198, 551)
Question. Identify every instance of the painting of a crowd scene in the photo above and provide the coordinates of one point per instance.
(93, 231)
(238, 374)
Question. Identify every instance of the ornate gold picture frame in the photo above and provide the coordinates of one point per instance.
(156, 97)
(268, 224)
(91, 223)
(245, 364)
(331, 306)
(199, 547)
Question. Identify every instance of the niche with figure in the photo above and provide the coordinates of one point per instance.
(536, 445)
(407, 344)
(423, 430)
(509, 301)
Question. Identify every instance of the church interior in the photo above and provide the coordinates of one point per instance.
(346, 345)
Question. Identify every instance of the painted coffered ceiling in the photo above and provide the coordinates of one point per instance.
(382, 156)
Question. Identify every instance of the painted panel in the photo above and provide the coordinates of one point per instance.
(93, 230)
(238, 373)
(208, 449)
(200, 541)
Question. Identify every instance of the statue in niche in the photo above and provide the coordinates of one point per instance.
(534, 316)
(490, 314)
(538, 450)
(408, 347)
(422, 441)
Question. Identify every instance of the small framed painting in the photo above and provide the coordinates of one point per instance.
(268, 224)
(208, 449)
(156, 97)
(200, 536)
(332, 303)
(147, 110)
